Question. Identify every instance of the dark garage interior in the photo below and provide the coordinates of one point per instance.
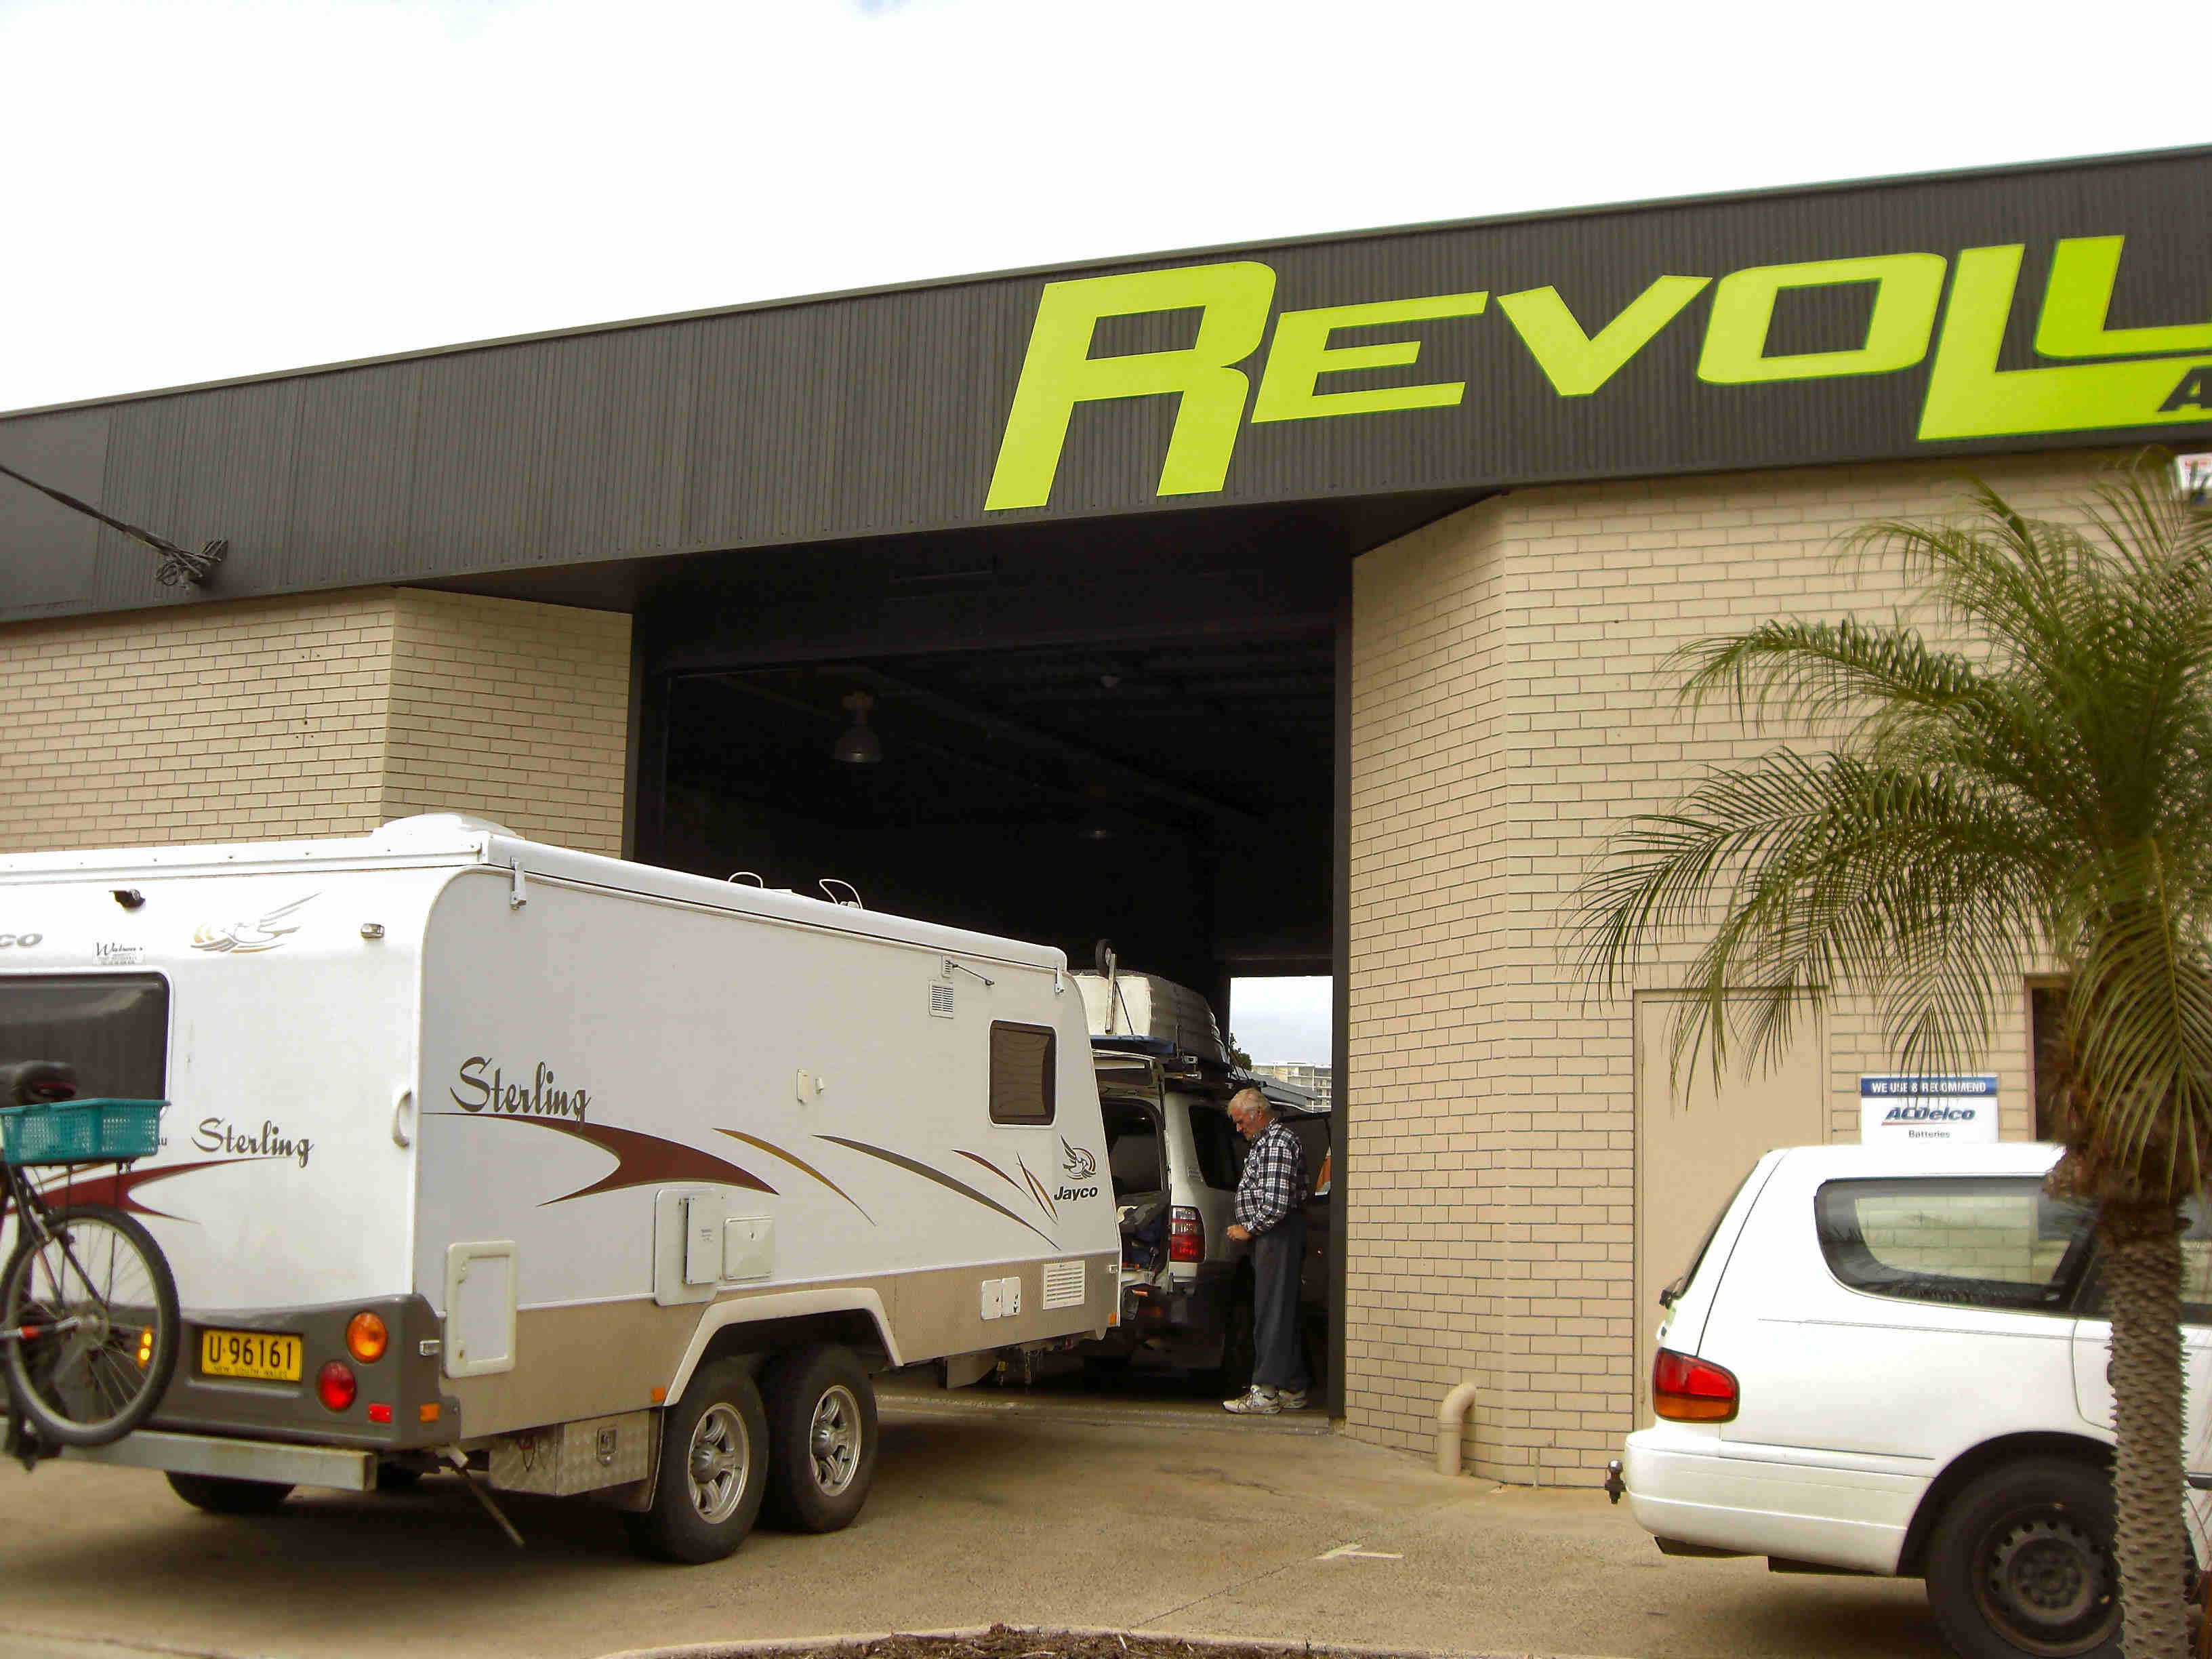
(1124, 730)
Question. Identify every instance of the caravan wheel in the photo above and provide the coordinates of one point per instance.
(822, 1428)
(713, 1470)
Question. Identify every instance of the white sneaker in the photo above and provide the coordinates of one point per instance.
(1292, 1400)
(1255, 1402)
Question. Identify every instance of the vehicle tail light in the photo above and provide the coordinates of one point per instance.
(1186, 1235)
(366, 1338)
(334, 1385)
(378, 1413)
(1685, 1389)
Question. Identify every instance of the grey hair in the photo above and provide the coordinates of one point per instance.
(1258, 1098)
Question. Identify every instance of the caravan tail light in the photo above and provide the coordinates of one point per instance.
(334, 1385)
(366, 1338)
(1186, 1235)
(1685, 1389)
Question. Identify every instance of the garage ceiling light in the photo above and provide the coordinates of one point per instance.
(858, 744)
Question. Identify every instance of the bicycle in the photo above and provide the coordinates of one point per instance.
(89, 1326)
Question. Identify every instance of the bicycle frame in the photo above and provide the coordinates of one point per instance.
(35, 1219)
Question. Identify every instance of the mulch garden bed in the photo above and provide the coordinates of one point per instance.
(1004, 1641)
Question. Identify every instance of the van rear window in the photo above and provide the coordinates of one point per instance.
(1981, 1242)
(114, 1028)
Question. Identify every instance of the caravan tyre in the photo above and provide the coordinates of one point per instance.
(713, 1469)
(221, 1495)
(822, 1438)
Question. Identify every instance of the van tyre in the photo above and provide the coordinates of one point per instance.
(221, 1495)
(713, 1470)
(822, 1439)
(2021, 1564)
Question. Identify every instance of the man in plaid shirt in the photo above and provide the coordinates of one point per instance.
(1268, 1195)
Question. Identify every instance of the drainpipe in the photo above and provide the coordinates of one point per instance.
(1449, 1415)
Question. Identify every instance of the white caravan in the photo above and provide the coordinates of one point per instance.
(594, 1176)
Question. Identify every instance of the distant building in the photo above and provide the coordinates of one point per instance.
(1314, 1077)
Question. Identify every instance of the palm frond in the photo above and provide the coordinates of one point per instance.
(2043, 790)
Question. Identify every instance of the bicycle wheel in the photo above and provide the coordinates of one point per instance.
(95, 1309)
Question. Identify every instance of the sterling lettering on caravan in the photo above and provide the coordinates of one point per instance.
(2089, 377)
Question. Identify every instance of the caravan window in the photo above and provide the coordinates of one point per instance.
(1021, 1074)
(114, 1028)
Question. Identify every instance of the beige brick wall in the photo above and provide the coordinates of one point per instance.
(319, 715)
(514, 712)
(1510, 709)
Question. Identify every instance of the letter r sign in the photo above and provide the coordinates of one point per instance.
(1059, 372)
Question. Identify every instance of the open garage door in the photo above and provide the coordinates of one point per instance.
(1134, 738)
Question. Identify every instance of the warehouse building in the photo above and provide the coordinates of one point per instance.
(1292, 608)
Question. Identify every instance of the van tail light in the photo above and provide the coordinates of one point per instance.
(1685, 1389)
(1186, 1235)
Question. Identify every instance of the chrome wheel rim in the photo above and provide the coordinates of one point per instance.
(718, 1460)
(2047, 1584)
(833, 1439)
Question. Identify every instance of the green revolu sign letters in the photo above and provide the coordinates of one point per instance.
(1302, 355)
(2090, 377)
(1577, 364)
(1907, 288)
(1060, 373)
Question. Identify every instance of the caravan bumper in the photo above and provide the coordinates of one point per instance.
(236, 1460)
(405, 1386)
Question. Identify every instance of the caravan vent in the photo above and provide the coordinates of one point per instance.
(1063, 1284)
(940, 1001)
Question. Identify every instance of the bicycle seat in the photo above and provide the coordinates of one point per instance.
(30, 1082)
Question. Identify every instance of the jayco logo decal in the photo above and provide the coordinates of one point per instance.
(242, 938)
(542, 1096)
(1080, 1165)
(2087, 376)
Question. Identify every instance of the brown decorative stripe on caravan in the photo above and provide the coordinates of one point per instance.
(120, 1187)
(642, 1160)
(941, 1179)
(1038, 1188)
(977, 1158)
(797, 1163)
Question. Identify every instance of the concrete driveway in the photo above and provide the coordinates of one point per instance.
(1165, 1519)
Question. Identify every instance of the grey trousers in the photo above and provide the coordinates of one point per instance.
(1278, 1359)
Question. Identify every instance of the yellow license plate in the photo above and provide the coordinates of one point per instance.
(249, 1353)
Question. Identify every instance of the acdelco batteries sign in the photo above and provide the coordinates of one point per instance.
(1903, 1108)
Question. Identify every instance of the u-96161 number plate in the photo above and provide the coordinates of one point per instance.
(261, 1355)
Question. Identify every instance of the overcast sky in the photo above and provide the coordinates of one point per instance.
(202, 188)
(1278, 1020)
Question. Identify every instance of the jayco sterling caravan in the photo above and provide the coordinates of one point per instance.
(594, 1177)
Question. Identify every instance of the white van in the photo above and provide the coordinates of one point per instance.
(1893, 1361)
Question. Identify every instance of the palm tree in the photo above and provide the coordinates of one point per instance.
(2029, 789)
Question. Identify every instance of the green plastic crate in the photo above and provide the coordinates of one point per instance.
(81, 1131)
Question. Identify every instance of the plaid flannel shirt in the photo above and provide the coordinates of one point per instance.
(1275, 1180)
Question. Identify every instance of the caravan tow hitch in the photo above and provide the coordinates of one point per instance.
(1614, 1486)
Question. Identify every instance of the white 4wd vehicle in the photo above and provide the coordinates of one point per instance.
(1175, 1158)
(1893, 1361)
